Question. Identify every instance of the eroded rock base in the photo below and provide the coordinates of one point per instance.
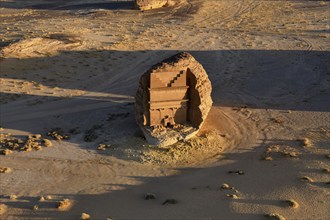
(168, 136)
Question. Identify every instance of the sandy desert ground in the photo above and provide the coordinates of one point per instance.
(69, 73)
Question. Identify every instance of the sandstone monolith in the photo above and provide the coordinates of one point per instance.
(153, 4)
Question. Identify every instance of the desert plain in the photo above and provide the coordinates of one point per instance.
(70, 145)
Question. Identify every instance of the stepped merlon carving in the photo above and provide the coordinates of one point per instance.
(168, 99)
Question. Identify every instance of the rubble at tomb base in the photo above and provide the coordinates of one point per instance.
(173, 100)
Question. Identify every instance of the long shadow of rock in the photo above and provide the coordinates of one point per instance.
(287, 80)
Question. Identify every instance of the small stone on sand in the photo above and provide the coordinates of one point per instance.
(307, 179)
(36, 136)
(306, 142)
(170, 201)
(225, 186)
(6, 152)
(238, 172)
(103, 146)
(35, 207)
(292, 203)
(47, 143)
(65, 204)
(149, 196)
(5, 170)
(13, 197)
(267, 158)
(275, 216)
(326, 170)
(3, 208)
(293, 154)
(85, 216)
(58, 134)
(233, 196)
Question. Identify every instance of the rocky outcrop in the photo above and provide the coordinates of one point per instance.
(152, 4)
(199, 95)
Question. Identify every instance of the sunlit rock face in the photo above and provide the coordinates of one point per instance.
(173, 100)
(152, 4)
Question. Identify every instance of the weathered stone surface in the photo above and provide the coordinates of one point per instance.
(152, 4)
(197, 102)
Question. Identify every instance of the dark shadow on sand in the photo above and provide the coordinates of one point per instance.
(69, 4)
(260, 79)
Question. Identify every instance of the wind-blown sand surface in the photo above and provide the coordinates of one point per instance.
(264, 149)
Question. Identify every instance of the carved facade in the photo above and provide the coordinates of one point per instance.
(169, 98)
